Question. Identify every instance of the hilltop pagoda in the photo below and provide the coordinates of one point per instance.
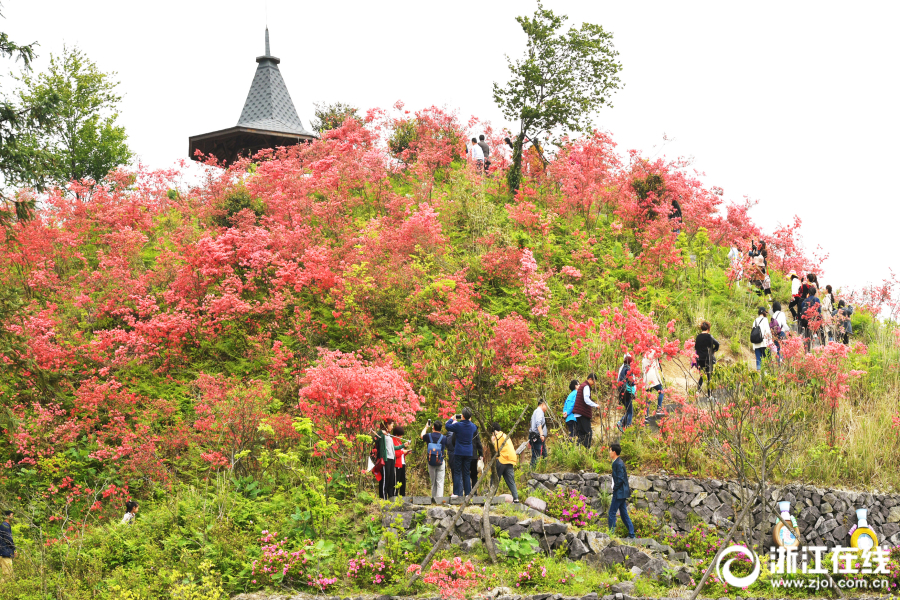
(269, 118)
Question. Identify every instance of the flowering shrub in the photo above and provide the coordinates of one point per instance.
(452, 577)
(372, 570)
(570, 506)
(279, 566)
(531, 574)
(700, 542)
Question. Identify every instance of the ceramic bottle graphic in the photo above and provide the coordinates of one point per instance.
(862, 536)
(785, 536)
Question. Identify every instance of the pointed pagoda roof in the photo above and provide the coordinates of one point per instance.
(268, 119)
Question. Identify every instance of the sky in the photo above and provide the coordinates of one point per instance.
(793, 104)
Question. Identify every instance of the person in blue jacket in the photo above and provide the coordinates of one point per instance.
(7, 547)
(621, 491)
(464, 431)
(569, 406)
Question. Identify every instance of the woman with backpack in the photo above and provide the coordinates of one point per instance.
(706, 346)
(778, 325)
(506, 459)
(626, 392)
(436, 454)
(760, 335)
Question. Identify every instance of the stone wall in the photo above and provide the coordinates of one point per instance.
(824, 516)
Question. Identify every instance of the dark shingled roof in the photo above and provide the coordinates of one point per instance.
(269, 105)
(268, 120)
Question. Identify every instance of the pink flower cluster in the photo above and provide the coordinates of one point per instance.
(570, 506)
(374, 570)
(528, 576)
(452, 577)
(279, 565)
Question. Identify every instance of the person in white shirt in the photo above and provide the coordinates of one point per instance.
(131, 508)
(779, 332)
(476, 154)
(760, 348)
(652, 379)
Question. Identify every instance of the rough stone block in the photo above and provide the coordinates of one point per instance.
(894, 515)
(654, 567)
(636, 482)
(597, 541)
(700, 497)
(470, 544)
(536, 503)
(623, 587)
(555, 528)
(685, 486)
(516, 531)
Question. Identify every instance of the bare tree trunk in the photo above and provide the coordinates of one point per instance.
(722, 546)
(449, 530)
(486, 530)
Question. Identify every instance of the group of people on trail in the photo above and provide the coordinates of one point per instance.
(479, 152)
(461, 448)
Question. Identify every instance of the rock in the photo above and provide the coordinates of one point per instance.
(698, 499)
(597, 541)
(455, 540)
(685, 486)
(423, 500)
(478, 500)
(654, 568)
(469, 544)
(613, 555)
(536, 503)
(555, 528)
(636, 571)
(590, 477)
(894, 515)
(502, 499)
(623, 587)
(636, 482)
(441, 500)
(826, 508)
(636, 558)
(592, 595)
(683, 576)
(466, 531)
(828, 526)
(577, 549)
(497, 591)
(515, 531)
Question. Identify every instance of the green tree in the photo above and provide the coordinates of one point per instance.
(82, 139)
(561, 81)
(18, 163)
(331, 116)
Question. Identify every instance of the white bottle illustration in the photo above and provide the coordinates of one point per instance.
(784, 536)
(862, 536)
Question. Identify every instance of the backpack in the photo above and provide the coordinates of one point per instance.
(756, 336)
(849, 309)
(774, 326)
(435, 452)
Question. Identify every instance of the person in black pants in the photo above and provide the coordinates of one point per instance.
(399, 459)
(705, 345)
(477, 453)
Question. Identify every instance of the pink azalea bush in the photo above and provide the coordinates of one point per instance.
(572, 507)
(280, 566)
(453, 578)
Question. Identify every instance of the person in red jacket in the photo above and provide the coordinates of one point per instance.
(584, 409)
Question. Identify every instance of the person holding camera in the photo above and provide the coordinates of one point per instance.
(464, 429)
(436, 453)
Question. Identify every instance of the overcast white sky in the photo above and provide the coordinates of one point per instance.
(791, 103)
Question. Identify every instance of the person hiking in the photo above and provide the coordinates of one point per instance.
(505, 466)
(399, 458)
(626, 392)
(465, 431)
(477, 459)
(675, 216)
(760, 335)
(620, 492)
(537, 433)
(455, 474)
(706, 346)
(385, 445)
(584, 411)
(476, 155)
(131, 508)
(486, 150)
(652, 373)
(844, 324)
(827, 300)
(794, 304)
(778, 325)
(811, 311)
(569, 407)
(7, 547)
(435, 454)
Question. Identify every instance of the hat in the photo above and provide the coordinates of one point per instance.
(793, 273)
(762, 310)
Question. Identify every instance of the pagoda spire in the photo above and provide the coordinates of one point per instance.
(268, 52)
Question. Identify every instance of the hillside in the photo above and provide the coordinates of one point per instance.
(220, 351)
